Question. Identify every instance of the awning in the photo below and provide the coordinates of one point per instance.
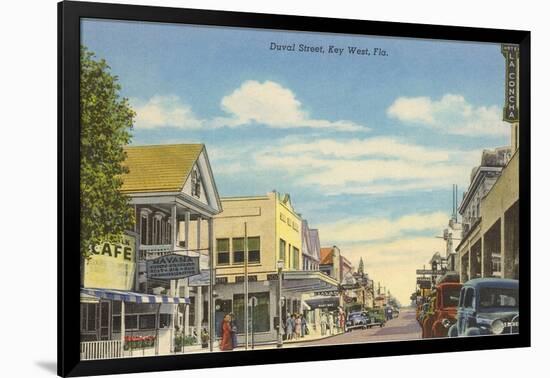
(304, 281)
(323, 302)
(128, 296)
(85, 298)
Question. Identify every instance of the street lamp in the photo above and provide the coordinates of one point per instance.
(280, 265)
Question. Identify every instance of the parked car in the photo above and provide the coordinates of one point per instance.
(395, 311)
(487, 306)
(438, 319)
(356, 320)
(377, 317)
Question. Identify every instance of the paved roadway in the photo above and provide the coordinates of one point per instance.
(405, 327)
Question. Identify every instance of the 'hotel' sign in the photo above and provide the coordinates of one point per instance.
(511, 103)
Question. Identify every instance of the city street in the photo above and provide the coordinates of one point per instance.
(405, 327)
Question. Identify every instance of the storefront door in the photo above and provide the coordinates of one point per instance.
(104, 329)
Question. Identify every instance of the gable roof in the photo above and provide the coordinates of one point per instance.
(326, 256)
(159, 168)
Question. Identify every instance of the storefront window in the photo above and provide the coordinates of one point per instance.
(261, 312)
(165, 320)
(147, 321)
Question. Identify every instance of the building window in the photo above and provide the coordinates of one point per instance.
(88, 315)
(296, 257)
(261, 316)
(222, 248)
(144, 228)
(157, 228)
(147, 321)
(196, 184)
(238, 250)
(282, 250)
(254, 249)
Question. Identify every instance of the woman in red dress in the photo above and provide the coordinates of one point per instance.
(226, 343)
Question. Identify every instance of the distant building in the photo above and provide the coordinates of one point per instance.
(490, 216)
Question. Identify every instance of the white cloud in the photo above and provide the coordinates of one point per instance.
(275, 106)
(164, 111)
(451, 114)
(375, 229)
(268, 103)
(372, 165)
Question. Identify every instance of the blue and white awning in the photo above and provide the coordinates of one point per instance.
(128, 296)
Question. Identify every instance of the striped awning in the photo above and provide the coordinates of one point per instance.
(128, 296)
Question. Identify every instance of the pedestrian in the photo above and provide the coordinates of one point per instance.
(289, 326)
(330, 323)
(304, 326)
(323, 323)
(341, 320)
(234, 330)
(298, 325)
(226, 343)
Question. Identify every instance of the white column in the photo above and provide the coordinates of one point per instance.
(198, 294)
(174, 283)
(212, 282)
(185, 281)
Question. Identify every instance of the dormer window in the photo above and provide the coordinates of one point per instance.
(196, 183)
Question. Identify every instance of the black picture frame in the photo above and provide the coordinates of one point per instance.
(69, 15)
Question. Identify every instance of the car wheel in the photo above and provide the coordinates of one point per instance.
(453, 331)
(473, 331)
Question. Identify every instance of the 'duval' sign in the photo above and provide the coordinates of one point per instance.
(172, 267)
(511, 103)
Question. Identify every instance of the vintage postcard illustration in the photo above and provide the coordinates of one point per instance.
(247, 189)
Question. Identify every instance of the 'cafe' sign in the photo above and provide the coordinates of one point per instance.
(112, 264)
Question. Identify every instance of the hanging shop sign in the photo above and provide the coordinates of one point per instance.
(172, 267)
(430, 272)
(511, 100)
(112, 264)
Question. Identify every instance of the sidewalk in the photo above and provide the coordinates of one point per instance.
(313, 335)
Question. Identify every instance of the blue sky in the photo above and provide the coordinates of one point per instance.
(367, 146)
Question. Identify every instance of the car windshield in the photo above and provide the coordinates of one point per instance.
(450, 296)
(498, 297)
(355, 315)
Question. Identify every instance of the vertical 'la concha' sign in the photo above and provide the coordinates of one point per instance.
(511, 102)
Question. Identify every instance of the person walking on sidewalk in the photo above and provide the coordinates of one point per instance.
(227, 343)
(298, 323)
(330, 323)
(304, 326)
(289, 327)
(323, 323)
(233, 330)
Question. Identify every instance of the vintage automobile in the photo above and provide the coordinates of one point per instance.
(487, 306)
(356, 320)
(395, 311)
(438, 319)
(377, 317)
